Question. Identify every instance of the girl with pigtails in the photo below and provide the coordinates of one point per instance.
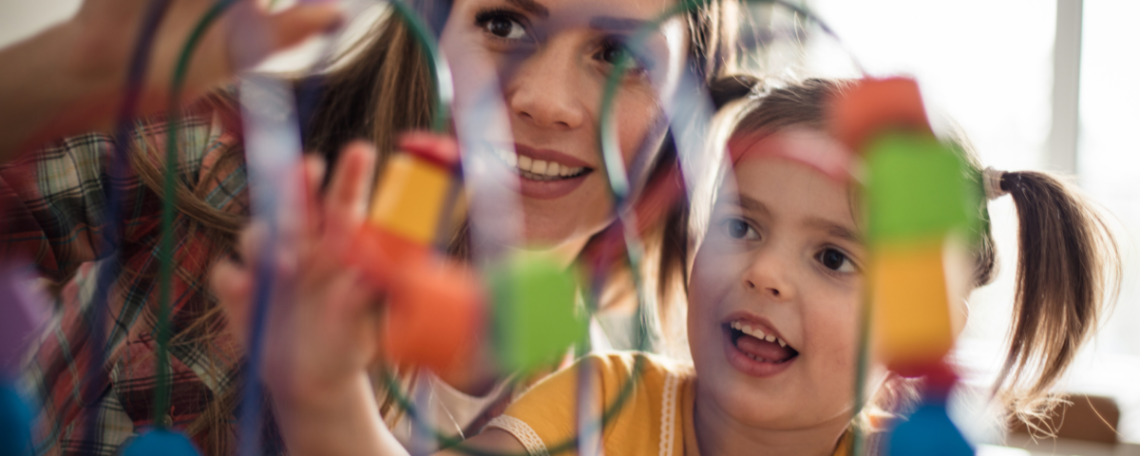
(774, 280)
(550, 59)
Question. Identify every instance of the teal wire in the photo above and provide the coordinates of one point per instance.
(166, 243)
(440, 71)
(618, 179)
(443, 97)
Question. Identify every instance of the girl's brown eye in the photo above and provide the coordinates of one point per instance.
(836, 261)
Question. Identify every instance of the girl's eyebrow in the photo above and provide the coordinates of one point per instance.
(748, 204)
(532, 7)
(833, 228)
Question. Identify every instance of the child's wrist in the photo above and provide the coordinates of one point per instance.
(338, 420)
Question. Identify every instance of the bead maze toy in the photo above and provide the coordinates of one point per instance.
(917, 194)
(530, 309)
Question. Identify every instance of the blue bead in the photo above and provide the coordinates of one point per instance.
(929, 432)
(161, 442)
(15, 422)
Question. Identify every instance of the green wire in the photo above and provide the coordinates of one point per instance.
(166, 244)
(440, 71)
(620, 186)
(443, 97)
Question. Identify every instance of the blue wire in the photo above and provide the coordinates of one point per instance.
(136, 74)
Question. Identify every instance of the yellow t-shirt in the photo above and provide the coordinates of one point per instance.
(656, 418)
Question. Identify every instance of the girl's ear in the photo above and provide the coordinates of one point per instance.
(1068, 266)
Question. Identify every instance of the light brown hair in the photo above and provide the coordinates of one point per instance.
(1068, 264)
(379, 88)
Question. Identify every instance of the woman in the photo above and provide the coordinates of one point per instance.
(550, 56)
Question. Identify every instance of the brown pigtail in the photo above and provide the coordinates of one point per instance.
(1068, 266)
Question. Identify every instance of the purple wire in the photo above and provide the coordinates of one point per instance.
(136, 73)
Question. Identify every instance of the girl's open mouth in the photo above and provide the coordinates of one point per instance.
(754, 351)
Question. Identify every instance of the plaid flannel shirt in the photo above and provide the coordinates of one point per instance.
(55, 204)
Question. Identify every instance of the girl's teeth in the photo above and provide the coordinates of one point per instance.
(539, 167)
(552, 169)
(757, 333)
(524, 163)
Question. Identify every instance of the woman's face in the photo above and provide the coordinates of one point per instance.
(775, 293)
(551, 59)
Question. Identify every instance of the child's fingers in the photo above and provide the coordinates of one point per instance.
(249, 242)
(314, 172)
(346, 202)
(231, 284)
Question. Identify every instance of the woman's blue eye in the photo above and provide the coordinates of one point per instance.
(836, 261)
(501, 25)
(739, 229)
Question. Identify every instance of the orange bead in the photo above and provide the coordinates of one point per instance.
(875, 106)
(434, 316)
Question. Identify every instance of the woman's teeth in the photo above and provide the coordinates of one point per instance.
(537, 169)
(757, 333)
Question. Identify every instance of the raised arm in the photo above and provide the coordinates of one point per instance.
(69, 79)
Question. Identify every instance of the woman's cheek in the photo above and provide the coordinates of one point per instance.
(635, 112)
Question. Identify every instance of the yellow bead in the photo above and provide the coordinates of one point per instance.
(409, 198)
(911, 315)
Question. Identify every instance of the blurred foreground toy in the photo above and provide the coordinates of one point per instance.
(161, 442)
(21, 315)
(917, 196)
(436, 308)
(535, 317)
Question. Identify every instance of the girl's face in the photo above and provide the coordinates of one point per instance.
(551, 59)
(775, 293)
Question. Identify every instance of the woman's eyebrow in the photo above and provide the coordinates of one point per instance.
(616, 24)
(532, 7)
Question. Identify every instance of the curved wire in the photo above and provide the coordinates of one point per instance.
(440, 71)
(444, 95)
(618, 177)
(166, 243)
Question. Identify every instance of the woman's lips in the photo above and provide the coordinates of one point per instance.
(550, 189)
(544, 174)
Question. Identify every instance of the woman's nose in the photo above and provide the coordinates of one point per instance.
(546, 92)
(767, 275)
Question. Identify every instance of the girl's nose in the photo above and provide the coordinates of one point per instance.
(547, 92)
(767, 275)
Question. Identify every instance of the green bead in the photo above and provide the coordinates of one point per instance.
(535, 319)
(918, 188)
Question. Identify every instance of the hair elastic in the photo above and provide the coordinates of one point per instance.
(991, 181)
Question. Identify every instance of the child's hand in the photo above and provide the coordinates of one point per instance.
(323, 324)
